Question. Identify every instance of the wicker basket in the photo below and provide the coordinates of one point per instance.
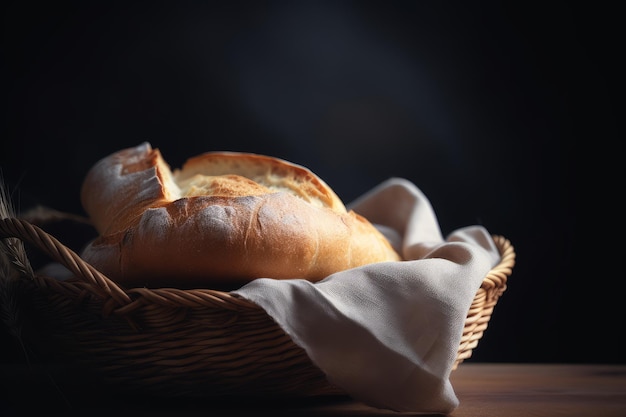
(174, 342)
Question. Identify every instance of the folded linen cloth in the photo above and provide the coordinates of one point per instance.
(388, 333)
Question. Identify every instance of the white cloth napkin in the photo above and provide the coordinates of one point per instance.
(388, 333)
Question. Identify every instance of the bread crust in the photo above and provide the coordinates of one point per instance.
(222, 220)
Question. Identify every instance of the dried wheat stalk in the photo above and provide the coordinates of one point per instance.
(13, 263)
(12, 249)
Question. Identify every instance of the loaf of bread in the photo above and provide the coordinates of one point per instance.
(223, 219)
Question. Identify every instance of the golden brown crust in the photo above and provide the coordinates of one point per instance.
(262, 217)
(121, 186)
(274, 173)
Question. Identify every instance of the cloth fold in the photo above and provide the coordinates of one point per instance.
(388, 333)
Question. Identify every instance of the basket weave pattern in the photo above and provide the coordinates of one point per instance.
(190, 342)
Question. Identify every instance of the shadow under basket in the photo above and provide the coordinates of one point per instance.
(180, 342)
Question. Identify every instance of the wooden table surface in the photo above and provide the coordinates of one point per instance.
(485, 390)
(540, 390)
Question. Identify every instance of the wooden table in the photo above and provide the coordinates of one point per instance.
(485, 390)
(540, 390)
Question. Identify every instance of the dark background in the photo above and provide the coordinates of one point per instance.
(502, 114)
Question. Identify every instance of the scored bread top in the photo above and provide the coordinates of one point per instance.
(238, 174)
(126, 183)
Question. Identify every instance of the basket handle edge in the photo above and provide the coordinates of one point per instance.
(11, 227)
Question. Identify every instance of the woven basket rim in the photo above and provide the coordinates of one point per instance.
(122, 301)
